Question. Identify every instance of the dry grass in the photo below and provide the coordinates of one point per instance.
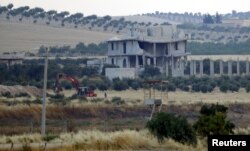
(242, 131)
(18, 36)
(181, 97)
(119, 140)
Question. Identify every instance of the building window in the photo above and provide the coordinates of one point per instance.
(124, 63)
(176, 45)
(112, 46)
(124, 48)
(166, 50)
(112, 61)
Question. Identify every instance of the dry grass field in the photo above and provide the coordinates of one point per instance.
(96, 140)
(18, 36)
(181, 97)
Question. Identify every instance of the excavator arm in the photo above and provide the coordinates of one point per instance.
(73, 81)
(84, 91)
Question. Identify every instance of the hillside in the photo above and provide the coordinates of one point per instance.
(20, 36)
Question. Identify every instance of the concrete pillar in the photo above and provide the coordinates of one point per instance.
(182, 67)
(154, 49)
(247, 67)
(172, 65)
(221, 67)
(194, 67)
(143, 60)
(128, 62)
(238, 67)
(191, 68)
(211, 68)
(167, 72)
(201, 68)
(230, 68)
(136, 61)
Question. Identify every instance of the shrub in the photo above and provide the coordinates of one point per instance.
(57, 96)
(6, 94)
(135, 85)
(203, 88)
(248, 88)
(171, 87)
(49, 137)
(164, 125)
(196, 88)
(212, 121)
(102, 86)
(224, 87)
(120, 85)
(117, 101)
(150, 71)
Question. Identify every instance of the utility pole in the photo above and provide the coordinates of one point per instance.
(44, 93)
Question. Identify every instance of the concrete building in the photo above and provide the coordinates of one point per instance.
(162, 46)
(12, 58)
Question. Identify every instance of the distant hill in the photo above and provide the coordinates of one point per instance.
(18, 36)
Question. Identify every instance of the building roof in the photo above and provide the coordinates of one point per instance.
(145, 39)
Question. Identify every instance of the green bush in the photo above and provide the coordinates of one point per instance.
(102, 86)
(171, 87)
(57, 96)
(49, 137)
(7, 94)
(248, 88)
(224, 87)
(120, 85)
(117, 101)
(164, 125)
(135, 85)
(213, 121)
(150, 71)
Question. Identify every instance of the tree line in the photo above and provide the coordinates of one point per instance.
(80, 48)
(209, 48)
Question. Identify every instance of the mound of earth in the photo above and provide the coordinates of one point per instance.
(17, 89)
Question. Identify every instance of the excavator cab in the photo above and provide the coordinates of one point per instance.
(86, 91)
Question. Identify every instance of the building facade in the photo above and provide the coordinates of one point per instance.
(12, 58)
(161, 47)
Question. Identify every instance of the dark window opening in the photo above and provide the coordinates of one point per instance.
(112, 61)
(141, 45)
(176, 46)
(166, 50)
(112, 46)
(124, 63)
(124, 48)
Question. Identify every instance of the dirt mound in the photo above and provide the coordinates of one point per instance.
(16, 90)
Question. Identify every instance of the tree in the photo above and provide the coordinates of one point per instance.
(213, 121)
(107, 17)
(3, 9)
(218, 18)
(62, 14)
(10, 6)
(52, 12)
(208, 19)
(165, 125)
(120, 85)
(150, 71)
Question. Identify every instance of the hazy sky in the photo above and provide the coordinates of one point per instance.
(131, 7)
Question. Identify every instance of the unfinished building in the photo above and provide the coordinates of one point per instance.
(12, 58)
(162, 46)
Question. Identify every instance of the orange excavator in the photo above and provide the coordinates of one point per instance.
(81, 91)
